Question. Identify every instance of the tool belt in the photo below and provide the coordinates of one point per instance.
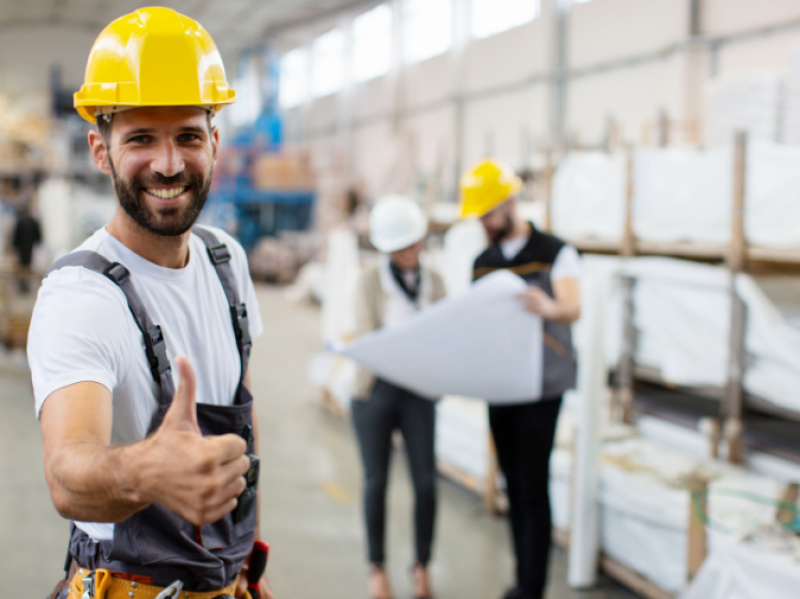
(102, 584)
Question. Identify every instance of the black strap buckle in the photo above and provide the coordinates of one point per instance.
(117, 273)
(156, 351)
(219, 253)
(241, 327)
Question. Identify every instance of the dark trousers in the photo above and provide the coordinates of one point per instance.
(391, 408)
(523, 435)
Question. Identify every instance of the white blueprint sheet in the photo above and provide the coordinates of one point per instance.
(481, 344)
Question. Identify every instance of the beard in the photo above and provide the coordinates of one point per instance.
(170, 221)
(503, 232)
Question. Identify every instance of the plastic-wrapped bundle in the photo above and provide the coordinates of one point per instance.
(751, 102)
(589, 196)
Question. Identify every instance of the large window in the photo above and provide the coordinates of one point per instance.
(248, 95)
(294, 78)
(327, 62)
(493, 16)
(372, 43)
(427, 28)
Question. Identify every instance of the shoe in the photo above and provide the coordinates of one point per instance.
(515, 593)
(376, 570)
(414, 569)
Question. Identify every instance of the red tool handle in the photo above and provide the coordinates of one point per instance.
(258, 563)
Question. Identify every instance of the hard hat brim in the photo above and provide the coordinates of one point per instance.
(389, 246)
(153, 56)
(466, 212)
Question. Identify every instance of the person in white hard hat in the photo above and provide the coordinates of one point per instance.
(387, 292)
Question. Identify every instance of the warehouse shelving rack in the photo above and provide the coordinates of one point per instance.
(19, 179)
(258, 212)
(727, 413)
(744, 420)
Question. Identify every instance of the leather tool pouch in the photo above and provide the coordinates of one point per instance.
(60, 592)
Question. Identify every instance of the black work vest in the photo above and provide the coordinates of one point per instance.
(154, 542)
(534, 263)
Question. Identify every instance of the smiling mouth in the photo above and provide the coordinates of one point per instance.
(166, 194)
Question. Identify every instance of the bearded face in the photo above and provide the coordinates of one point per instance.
(498, 234)
(169, 220)
(160, 159)
(499, 223)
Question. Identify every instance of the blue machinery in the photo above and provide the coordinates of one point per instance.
(257, 212)
(261, 213)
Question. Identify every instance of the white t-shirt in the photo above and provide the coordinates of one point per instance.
(567, 264)
(82, 331)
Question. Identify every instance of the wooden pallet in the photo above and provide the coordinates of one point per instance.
(619, 572)
(15, 332)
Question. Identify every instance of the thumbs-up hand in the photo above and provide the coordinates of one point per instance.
(196, 477)
(182, 412)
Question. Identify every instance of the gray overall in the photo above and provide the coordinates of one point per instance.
(155, 542)
(559, 369)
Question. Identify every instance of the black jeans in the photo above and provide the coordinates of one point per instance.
(388, 408)
(523, 435)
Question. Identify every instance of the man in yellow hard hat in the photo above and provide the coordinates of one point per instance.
(523, 433)
(152, 461)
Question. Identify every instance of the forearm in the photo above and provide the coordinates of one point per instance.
(94, 482)
(567, 300)
(567, 311)
(196, 477)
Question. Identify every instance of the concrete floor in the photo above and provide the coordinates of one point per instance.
(311, 485)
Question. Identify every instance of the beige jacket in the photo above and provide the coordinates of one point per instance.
(371, 299)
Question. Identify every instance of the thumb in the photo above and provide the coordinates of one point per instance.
(182, 412)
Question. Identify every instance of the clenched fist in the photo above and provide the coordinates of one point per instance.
(196, 477)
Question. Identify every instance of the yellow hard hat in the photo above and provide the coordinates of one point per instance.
(153, 57)
(485, 186)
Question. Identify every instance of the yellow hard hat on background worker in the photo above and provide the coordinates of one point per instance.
(485, 186)
(152, 57)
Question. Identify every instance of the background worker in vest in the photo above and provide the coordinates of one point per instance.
(153, 479)
(523, 433)
(387, 292)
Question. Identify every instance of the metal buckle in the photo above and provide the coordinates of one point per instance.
(156, 350)
(239, 314)
(117, 273)
(219, 253)
(88, 587)
(172, 590)
(95, 584)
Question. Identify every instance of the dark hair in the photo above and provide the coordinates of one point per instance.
(104, 125)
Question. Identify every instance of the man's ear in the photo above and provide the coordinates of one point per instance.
(511, 205)
(99, 151)
(214, 143)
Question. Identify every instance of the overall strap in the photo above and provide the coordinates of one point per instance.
(155, 346)
(221, 259)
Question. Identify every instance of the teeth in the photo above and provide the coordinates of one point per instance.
(166, 194)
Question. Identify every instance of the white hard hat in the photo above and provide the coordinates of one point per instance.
(395, 223)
